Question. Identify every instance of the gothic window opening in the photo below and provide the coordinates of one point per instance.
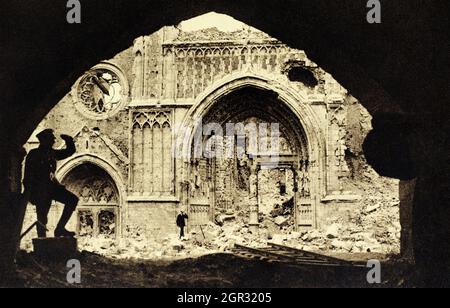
(85, 223)
(98, 208)
(107, 222)
(152, 159)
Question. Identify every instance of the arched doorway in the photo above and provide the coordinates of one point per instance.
(251, 158)
(98, 209)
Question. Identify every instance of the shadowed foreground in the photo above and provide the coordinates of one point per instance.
(215, 271)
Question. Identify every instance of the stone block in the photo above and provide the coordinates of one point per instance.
(281, 221)
(59, 248)
(332, 231)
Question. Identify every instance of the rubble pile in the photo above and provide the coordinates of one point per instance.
(280, 219)
(211, 238)
(371, 226)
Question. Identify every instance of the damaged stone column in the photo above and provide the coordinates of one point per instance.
(254, 208)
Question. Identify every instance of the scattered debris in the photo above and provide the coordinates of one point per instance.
(281, 221)
(332, 231)
(221, 218)
(372, 208)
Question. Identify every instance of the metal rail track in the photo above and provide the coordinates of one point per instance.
(291, 256)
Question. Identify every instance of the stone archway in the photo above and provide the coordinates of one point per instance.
(99, 208)
(78, 160)
(212, 184)
(289, 97)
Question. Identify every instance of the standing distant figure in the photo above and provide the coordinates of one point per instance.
(181, 222)
(41, 185)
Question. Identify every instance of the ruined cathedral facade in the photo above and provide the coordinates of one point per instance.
(140, 123)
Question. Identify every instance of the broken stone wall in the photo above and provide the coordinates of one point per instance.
(367, 217)
(275, 187)
(154, 221)
(357, 127)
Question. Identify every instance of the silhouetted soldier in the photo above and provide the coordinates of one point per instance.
(181, 223)
(41, 185)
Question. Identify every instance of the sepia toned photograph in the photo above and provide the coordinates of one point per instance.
(224, 150)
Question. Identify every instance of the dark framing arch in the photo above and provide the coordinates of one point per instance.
(401, 64)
